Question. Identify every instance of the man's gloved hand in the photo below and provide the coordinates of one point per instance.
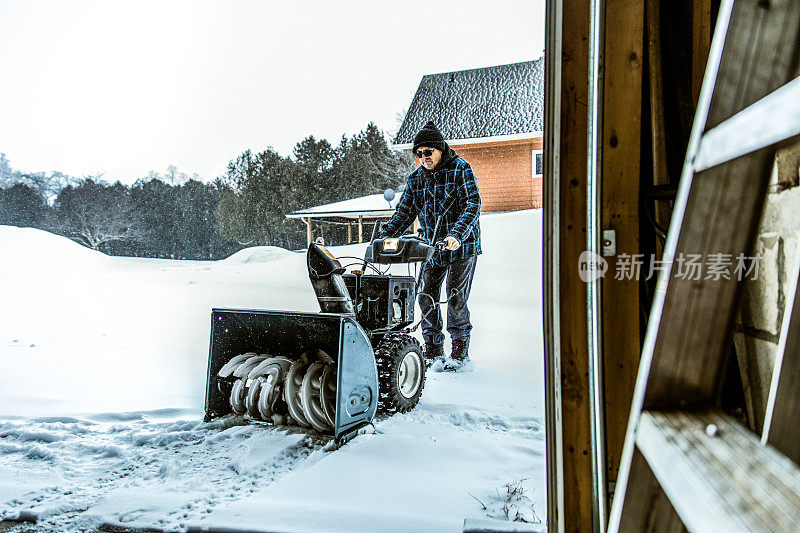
(451, 243)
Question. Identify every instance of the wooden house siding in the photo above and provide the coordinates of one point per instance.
(504, 170)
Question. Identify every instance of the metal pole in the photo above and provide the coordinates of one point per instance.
(593, 232)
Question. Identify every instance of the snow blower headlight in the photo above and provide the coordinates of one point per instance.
(391, 245)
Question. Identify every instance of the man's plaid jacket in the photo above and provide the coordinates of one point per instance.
(450, 191)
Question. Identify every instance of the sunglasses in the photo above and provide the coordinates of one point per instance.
(423, 153)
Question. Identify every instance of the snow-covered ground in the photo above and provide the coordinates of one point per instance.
(102, 373)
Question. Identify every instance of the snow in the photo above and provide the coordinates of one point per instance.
(258, 254)
(103, 370)
(372, 202)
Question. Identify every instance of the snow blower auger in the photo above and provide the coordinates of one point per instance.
(329, 371)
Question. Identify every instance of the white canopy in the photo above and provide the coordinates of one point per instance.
(358, 210)
(372, 206)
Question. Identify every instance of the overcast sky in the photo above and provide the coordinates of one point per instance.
(124, 87)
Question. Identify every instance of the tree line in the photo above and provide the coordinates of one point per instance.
(172, 215)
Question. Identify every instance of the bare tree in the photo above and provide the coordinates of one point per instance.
(95, 229)
(171, 176)
(7, 174)
(96, 214)
(47, 185)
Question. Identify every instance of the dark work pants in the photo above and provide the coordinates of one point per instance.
(459, 282)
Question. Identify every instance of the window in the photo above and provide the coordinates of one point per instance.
(538, 163)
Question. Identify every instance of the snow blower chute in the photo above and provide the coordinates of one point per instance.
(333, 370)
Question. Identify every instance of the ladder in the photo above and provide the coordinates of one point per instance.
(686, 465)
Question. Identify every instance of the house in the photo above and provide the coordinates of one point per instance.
(493, 117)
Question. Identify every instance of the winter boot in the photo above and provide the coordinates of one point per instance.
(460, 349)
(432, 352)
(458, 360)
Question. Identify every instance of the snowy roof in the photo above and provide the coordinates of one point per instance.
(484, 102)
(374, 205)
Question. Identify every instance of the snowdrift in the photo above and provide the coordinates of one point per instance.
(25, 248)
(258, 254)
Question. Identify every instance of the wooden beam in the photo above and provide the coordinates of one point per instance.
(656, 79)
(701, 43)
(360, 229)
(774, 118)
(782, 420)
(576, 514)
(308, 231)
(622, 105)
(658, 134)
(717, 474)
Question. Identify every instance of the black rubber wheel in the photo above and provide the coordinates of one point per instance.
(401, 373)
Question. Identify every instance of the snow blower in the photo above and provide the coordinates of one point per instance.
(332, 370)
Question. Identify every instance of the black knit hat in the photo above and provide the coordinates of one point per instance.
(429, 136)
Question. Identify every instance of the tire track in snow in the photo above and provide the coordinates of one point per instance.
(474, 420)
(212, 464)
(242, 480)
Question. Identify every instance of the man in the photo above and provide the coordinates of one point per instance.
(443, 189)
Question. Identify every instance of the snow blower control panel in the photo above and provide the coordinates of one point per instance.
(392, 250)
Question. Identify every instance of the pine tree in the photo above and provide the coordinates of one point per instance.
(259, 190)
(23, 206)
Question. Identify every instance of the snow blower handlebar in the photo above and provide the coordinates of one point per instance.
(405, 249)
(371, 241)
(393, 250)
